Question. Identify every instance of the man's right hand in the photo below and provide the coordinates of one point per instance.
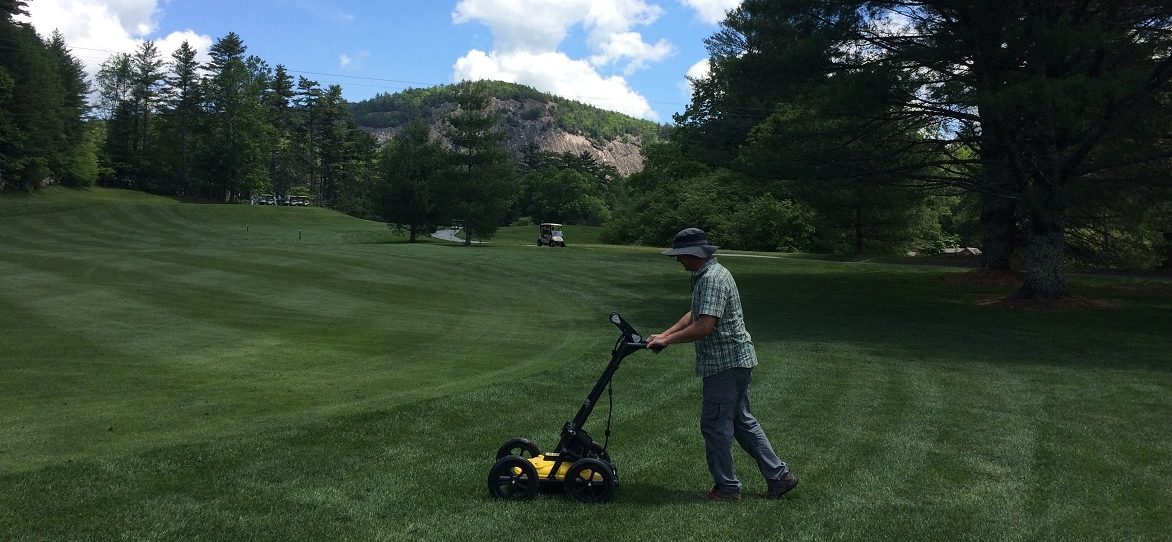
(656, 343)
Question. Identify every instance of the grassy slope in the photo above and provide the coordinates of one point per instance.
(183, 371)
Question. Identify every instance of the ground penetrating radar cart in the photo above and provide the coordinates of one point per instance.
(578, 465)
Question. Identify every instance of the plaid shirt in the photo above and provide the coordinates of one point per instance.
(714, 292)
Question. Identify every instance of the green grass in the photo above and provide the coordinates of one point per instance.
(176, 371)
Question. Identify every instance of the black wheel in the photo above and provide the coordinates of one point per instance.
(590, 480)
(513, 478)
(522, 447)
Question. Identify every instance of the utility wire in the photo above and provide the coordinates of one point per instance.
(396, 82)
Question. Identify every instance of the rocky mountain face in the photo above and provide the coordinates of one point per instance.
(534, 122)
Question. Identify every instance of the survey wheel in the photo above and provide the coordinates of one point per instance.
(590, 480)
(513, 478)
(522, 447)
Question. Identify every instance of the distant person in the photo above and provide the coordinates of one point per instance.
(724, 359)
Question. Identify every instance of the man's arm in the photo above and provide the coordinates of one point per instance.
(684, 322)
(684, 331)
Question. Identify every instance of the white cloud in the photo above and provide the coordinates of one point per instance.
(558, 74)
(347, 60)
(699, 70)
(712, 11)
(96, 29)
(533, 30)
(630, 45)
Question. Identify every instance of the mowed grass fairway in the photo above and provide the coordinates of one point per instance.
(176, 371)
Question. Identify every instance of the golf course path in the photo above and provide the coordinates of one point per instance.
(448, 234)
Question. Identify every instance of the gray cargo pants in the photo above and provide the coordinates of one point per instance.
(725, 415)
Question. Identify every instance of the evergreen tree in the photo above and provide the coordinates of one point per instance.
(76, 155)
(147, 77)
(11, 137)
(1047, 85)
(42, 138)
(278, 105)
(334, 130)
(1014, 100)
(307, 135)
(482, 181)
(182, 120)
(234, 158)
(11, 8)
(410, 192)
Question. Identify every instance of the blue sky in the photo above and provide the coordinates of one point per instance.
(624, 55)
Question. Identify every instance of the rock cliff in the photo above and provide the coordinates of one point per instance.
(534, 121)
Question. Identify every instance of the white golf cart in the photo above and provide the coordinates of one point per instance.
(550, 234)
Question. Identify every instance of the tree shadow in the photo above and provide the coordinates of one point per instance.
(651, 494)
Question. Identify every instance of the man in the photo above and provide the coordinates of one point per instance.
(724, 359)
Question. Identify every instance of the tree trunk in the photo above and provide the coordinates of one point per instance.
(414, 232)
(859, 229)
(1045, 199)
(1046, 278)
(1167, 248)
(997, 231)
(1000, 191)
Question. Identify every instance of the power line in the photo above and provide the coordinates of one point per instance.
(396, 82)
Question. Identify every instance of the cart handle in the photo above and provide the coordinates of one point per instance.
(632, 337)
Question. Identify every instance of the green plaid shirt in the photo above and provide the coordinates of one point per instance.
(714, 292)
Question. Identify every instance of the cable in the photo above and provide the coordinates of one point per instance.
(609, 413)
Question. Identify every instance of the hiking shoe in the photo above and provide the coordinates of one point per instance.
(778, 488)
(717, 495)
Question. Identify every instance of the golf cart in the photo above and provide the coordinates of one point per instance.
(578, 465)
(550, 234)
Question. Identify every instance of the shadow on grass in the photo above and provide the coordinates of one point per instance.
(912, 315)
(650, 494)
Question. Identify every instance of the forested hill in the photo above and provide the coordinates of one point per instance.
(527, 117)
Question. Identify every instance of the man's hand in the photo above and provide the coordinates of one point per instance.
(683, 333)
(657, 342)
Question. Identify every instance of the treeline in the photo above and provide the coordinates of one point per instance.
(234, 128)
(42, 106)
(1038, 131)
(428, 104)
(228, 129)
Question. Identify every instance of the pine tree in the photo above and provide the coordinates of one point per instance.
(234, 158)
(482, 182)
(76, 155)
(181, 119)
(147, 77)
(278, 105)
(409, 193)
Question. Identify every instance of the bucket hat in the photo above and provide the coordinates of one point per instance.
(691, 241)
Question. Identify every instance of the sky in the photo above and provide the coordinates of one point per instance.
(631, 56)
